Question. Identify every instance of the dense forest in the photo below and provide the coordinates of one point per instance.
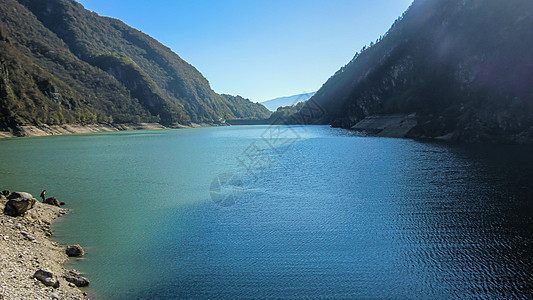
(464, 67)
(60, 63)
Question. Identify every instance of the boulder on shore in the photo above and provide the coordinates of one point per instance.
(75, 251)
(47, 278)
(17, 195)
(52, 201)
(19, 203)
(5, 193)
(77, 280)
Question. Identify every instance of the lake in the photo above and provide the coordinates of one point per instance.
(285, 212)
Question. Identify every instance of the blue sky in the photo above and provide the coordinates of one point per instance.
(260, 49)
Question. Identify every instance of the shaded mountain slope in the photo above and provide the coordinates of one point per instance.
(60, 63)
(464, 67)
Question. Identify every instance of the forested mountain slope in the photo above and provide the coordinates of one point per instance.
(60, 63)
(464, 67)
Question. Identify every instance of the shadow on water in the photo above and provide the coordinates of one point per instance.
(471, 219)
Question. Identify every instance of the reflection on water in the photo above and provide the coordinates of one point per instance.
(336, 215)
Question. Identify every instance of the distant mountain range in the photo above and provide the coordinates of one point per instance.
(461, 70)
(274, 104)
(60, 63)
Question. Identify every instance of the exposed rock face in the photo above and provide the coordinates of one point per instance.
(397, 126)
(19, 203)
(5, 193)
(52, 201)
(47, 278)
(75, 251)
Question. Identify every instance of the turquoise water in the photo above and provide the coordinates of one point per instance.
(303, 212)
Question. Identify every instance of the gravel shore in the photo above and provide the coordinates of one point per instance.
(46, 130)
(25, 247)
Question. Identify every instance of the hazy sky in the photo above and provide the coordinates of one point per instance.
(260, 49)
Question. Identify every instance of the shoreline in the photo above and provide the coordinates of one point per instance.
(65, 129)
(26, 247)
